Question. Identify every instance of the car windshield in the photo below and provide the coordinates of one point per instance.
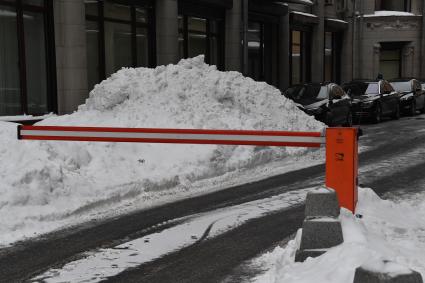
(307, 94)
(401, 86)
(372, 88)
(360, 88)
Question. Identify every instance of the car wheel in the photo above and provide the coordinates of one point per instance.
(349, 120)
(396, 115)
(412, 110)
(378, 114)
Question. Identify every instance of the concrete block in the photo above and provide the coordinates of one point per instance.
(386, 271)
(302, 255)
(322, 202)
(321, 233)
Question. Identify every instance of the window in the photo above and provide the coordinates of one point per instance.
(117, 36)
(393, 5)
(332, 57)
(390, 63)
(263, 50)
(372, 88)
(27, 82)
(255, 51)
(198, 35)
(300, 57)
(328, 56)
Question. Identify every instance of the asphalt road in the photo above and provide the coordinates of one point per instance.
(392, 160)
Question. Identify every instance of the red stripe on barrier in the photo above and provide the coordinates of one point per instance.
(172, 131)
(181, 141)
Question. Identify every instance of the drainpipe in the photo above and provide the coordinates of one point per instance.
(244, 4)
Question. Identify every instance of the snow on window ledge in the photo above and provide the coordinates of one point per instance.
(389, 13)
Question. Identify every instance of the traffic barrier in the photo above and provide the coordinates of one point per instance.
(341, 145)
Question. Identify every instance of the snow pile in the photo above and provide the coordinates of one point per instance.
(387, 231)
(45, 185)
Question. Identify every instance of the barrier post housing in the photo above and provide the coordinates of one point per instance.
(342, 165)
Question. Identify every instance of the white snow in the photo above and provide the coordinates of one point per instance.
(306, 2)
(336, 20)
(387, 231)
(48, 185)
(388, 14)
(304, 14)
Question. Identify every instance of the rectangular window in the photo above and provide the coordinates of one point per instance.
(263, 50)
(300, 50)
(92, 42)
(390, 63)
(393, 5)
(296, 57)
(117, 36)
(199, 36)
(255, 51)
(27, 80)
(35, 55)
(10, 91)
(329, 55)
(117, 47)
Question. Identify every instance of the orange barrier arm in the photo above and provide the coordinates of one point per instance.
(342, 165)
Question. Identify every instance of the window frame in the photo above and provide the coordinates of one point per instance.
(305, 53)
(100, 19)
(219, 35)
(46, 9)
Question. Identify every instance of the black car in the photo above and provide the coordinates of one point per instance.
(327, 102)
(373, 100)
(412, 97)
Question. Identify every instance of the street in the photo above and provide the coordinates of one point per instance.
(390, 163)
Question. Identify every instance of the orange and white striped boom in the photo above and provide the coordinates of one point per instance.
(182, 136)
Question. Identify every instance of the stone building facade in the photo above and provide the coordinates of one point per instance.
(389, 39)
(52, 53)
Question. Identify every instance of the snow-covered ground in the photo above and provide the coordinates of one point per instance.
(49, 185)
(388, 230)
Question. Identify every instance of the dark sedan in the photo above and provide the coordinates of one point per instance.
(412, 97)
(327, 102)
(373, 100)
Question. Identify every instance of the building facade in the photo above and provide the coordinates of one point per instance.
(52, 53)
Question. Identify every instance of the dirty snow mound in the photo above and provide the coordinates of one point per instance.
(46, 185)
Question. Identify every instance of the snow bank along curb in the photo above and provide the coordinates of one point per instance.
(392, 229)
(321, 228)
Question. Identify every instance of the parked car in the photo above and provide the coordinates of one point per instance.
(327, 102)
(373, 100)
(412, 97)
